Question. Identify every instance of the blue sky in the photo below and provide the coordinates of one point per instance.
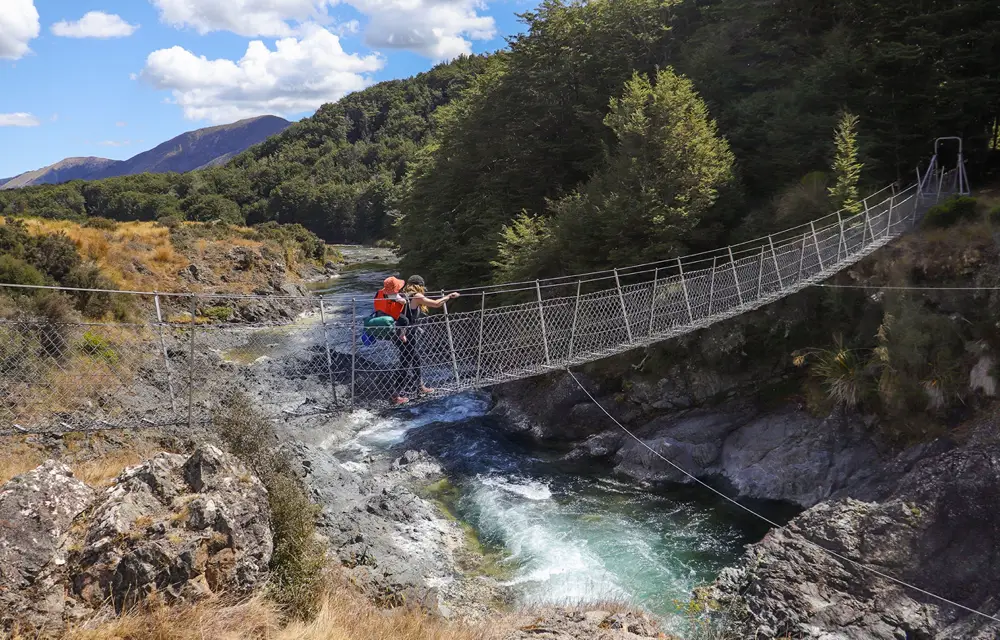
(112, 78)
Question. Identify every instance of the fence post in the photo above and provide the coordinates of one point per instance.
(711, 285)
(652, 300)
(736, 276)
(684, 286)
(479, 351)
(354, 345)
(940, 183)
(774, 256)
(888, 221)
(166, 359)
(819, 254)
(541, 319)
(194, 311)
(760, 272)
(621, 299)
(916, 199)
(802, 256)
(451, 342)
(572, 330)
(840, 240)
(868, 223)
(329, 357)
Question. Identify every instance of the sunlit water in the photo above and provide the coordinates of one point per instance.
(566, 537)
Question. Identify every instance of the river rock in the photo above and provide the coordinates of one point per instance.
(939, 531)
(584, 624)
(785, 455)
(36, 511)
(175, 528)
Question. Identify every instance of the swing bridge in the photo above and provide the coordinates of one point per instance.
(83, 376)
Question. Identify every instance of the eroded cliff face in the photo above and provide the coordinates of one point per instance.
(784, 453)
(937, 530)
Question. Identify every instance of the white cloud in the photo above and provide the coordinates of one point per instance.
(244, 17)
(298, 76)
(121, 124)
(439, 29)
(95, 24)
(18, 26)
(115, 143)
(18, 120)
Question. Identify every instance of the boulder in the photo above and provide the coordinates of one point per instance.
(785, 455)
(36, 513)
(175, 528)
(938, 531)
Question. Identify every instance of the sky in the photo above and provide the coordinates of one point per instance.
(113, 78)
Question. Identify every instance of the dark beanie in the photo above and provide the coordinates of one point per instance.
(416, 280)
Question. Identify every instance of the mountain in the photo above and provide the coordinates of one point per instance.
(197, 149)
(62, 171)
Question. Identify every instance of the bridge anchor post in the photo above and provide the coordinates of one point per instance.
(711, 285)
(819, 254)
(652, 300)
(451, 343)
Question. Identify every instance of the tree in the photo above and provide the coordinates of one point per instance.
(846, 168)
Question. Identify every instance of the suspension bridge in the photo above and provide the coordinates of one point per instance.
(92, 375)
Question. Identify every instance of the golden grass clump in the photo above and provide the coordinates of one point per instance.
(19, 457)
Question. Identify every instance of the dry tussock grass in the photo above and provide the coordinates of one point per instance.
(19, 456)
(344, 615)
(99, 472)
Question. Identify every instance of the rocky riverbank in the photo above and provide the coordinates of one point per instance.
(922, 514)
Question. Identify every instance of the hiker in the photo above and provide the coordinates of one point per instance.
(415, 306)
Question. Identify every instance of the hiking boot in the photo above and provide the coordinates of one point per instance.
(400, 400)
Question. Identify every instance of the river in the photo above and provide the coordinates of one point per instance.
(563, 536)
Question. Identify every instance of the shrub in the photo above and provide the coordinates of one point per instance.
(54, 254)
(298, 560)
(170, 222)
(93, 304)
(53, 312)
(993, 217)
(16, 271)
(98, 347)
(218, 314)
(950, 212)
(97, 222)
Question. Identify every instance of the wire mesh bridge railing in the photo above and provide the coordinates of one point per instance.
(171, 369)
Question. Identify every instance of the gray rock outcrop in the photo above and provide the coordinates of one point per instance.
(172, 528)
(36, 512)
(938, 531)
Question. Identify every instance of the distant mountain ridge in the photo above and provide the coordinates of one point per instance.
(197, 149)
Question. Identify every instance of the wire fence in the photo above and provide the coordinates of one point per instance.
(174, 366)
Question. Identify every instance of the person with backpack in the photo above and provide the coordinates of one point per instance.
(396, 314)
(416, 306)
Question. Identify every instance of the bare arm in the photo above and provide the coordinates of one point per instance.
(420, 299)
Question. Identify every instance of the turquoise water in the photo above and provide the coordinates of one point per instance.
(565, 537)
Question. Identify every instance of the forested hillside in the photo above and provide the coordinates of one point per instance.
(609, 132)
(339, 172)
(560, 159)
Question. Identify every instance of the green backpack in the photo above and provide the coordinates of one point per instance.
(378, 326)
